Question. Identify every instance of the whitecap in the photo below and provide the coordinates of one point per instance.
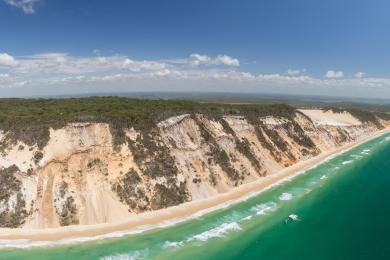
(133, 255)
(169, 244)
(246, 218)
(293, 217)
(347, 162)
(285, 196)
(323, 177)
(356, 156)
(219, 231)
(264, 208)
(386, 139)
(232, 216)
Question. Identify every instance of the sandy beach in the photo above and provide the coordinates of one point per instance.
(153, 219)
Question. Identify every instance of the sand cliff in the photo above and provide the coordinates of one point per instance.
(81, 177)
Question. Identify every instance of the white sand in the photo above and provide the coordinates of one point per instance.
(320, 117)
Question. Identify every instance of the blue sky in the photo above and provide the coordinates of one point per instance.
(332, 47)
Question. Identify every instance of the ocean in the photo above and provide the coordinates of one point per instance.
(339, 209)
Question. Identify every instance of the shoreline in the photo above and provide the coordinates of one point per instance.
(169, 216)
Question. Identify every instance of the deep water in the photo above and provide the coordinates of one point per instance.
(342, 206)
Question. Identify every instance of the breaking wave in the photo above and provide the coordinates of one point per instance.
(246, 218)
(219, 231)
(264, 208)
(169, 244)
(347, 162)
(285, 196)
(133, 255)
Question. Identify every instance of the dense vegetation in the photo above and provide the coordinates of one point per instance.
(131, 191)
(30, 119)
(154, 159)
(220, 156)
(243, 146)
(68, 213)
(11, 186)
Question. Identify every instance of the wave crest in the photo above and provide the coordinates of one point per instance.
(264, 208)
(347, 162)
(133, 255)
(219, 231)
(169, 244)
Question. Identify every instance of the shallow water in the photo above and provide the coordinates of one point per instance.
(342, 208)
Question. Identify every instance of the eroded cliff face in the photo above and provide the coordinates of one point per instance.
(80, 177)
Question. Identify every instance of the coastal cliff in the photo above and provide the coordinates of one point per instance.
(80, 169)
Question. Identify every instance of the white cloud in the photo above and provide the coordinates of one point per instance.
(198, 59)
(332, 74)
(226, 60)
(294, 72)
(55, 64)
(138, 66)
(59, 71)
(6, 80)
(28, 6)
(360, 74)
(4, 76)
(7, 60)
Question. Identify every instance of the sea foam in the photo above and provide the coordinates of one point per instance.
(219, 231)
(347, 162)
(264, 208)
(285, 196)
(169, 244)
(133, 255)
(246, 218)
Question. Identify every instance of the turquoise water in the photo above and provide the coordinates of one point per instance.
(343, 206)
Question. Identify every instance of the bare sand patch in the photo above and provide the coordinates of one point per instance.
(321, 117)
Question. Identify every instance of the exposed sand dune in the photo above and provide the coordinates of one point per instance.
(321, 117)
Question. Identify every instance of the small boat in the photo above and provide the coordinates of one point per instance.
(292, 217)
